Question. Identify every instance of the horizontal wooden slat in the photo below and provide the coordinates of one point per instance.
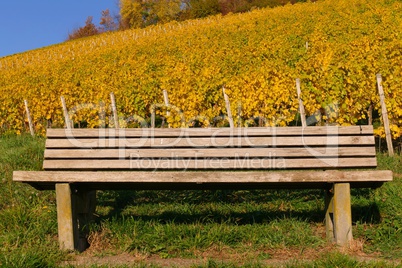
(221, 149)
(214, 163)
(214, 132)
(210, 142)
(329, 176)
(208, 152)
(141, 158)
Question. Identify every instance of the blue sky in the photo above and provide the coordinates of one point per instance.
(30, 24)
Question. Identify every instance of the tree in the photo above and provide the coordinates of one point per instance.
(204, 8)
(233, 6)
(87, 30)
(166, 10)
(131, 12)
(141, 13)
(107, 22)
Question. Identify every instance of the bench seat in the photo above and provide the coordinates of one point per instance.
(172, 180)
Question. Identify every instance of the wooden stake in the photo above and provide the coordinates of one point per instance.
(301, 106)
(370, 114)
(385, 116)
(102, 115)
(227, 102)
(114, 109)
(166, 99)
(65, 112)
(29, 118)
(239, 114)
(153, 116)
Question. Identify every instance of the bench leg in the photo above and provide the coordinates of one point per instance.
(338, 216)
(329, 213)
(75, 209)
(65, 216)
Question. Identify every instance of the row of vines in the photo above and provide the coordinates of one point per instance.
(336, 48)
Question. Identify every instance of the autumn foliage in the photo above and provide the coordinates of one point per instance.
(88, 30)
(142, 13)
(336, 48)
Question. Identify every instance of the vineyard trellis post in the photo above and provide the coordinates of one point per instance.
(385, 115)
(229, 112)
(153, 116)
(65, 112)
(301, 105)
(370, 114)
(114, 109)
(31, 129)
(166, 100)
(239, 109)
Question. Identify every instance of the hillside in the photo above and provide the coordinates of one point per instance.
(335, 47)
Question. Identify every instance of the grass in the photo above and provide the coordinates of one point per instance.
(27, 217)
(204, 228)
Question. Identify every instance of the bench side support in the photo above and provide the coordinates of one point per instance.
(338, 214)
(65, 220)
(75, 211)
(329, 213)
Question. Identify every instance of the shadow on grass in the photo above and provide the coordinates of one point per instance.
(369, 213)
(230, 206)
(205, 196)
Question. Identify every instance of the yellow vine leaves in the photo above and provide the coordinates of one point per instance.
(336, 48)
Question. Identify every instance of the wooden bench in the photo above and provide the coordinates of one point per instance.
(79, 161)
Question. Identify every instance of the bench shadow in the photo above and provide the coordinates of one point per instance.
(128, 197)
(119, 203)
(368, 212)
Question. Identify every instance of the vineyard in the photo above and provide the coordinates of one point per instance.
(336, 48)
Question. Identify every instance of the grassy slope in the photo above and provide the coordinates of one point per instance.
(250, 227)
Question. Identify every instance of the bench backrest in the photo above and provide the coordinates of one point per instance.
(210, 148)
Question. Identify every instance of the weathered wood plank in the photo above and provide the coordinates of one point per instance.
(214, 132)
(301, 106)
(208, 152)
(330, 176)
(211, 142)
(213, 163)
(384, 113)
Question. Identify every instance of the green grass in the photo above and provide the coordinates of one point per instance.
(213, 228)
(28, 228)
(386, 236)
(187, 222)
